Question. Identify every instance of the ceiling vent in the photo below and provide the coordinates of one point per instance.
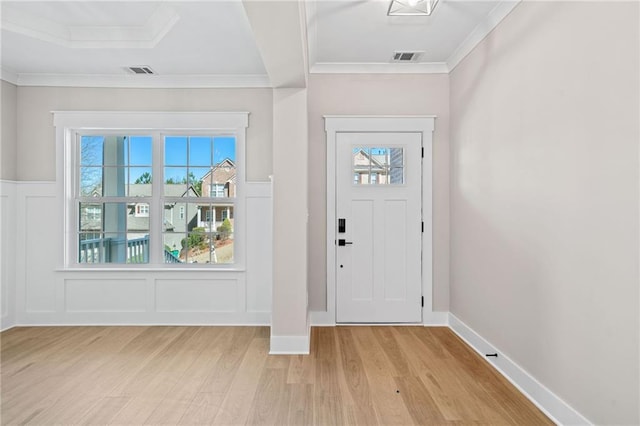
(141, 69)
(406, 56)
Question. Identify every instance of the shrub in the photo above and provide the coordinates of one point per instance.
(224, 230)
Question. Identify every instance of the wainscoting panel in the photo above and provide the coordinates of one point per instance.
(105, 295)
(40, 252)
(259, 250)
(205, 295)
(47, 293)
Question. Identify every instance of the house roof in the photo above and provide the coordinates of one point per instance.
(170, 190)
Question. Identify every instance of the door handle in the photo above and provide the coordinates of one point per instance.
(342, 242)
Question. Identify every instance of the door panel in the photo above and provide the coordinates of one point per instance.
(378, 192)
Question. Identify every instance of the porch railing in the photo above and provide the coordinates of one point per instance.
(100, 250)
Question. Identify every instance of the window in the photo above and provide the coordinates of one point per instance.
(139, 197)
(142, 210)
(378, 166)
(217, 190)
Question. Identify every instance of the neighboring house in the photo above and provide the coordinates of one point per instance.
(219, 182)
(179, 217)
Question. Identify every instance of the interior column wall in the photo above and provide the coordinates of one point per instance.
(289, 319)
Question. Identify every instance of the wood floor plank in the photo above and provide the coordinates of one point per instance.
(240, 395)
(224, 375)
(388, 404)
(355, 379)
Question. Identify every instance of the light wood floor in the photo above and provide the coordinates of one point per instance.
(224, 375)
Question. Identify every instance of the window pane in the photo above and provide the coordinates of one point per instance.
(140, 151)
(115, 218)
(200, 151)
(114, 181)
(175, 151)
(173, 247)
(196, 177)
(397, 157)
(92, 248)
(396, 176)
(90, 217)
(175, 181)
(115, 151)
(139, 182)
(91, 181)
(224, 147)
(138, 218)
(137, 250)
(361, 165)
(379, 157)
(223, 243)
(91, 150)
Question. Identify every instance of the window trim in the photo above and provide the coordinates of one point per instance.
(69, 123)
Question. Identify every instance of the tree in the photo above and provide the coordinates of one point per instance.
(144, 178)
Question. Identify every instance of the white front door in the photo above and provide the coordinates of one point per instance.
(379, 227)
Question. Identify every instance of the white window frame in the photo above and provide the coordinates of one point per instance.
(69, 124)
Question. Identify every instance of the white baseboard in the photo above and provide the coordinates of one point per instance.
(7, 327)
(289, 345)
(292, 345)
(322, 319)
(435, 319)
(549, 403)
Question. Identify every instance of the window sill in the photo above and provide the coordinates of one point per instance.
(151, 269)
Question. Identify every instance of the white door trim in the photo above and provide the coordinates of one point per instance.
(418, 124)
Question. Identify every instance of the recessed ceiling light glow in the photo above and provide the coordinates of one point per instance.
(411, 7)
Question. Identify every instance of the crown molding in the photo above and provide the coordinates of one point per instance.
(8, 76)
(497, 14)
(145, 81)
(379, 68)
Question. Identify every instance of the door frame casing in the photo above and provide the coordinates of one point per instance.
(335, 124)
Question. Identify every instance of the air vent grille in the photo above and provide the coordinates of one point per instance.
(141, 69)
(406, 56)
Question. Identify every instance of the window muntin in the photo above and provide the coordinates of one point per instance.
(117, 168)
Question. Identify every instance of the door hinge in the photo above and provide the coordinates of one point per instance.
(422, 226)
(422, 152)
(422, 301)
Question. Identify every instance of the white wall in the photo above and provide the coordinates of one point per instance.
(46, 294)
(381, 94)
(36, 139)
(544, 199)
(8, 131)
(289, 322)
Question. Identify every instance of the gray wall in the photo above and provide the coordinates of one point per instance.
(8, 135)
(544, 199)
(379, 94)
(36, 137)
